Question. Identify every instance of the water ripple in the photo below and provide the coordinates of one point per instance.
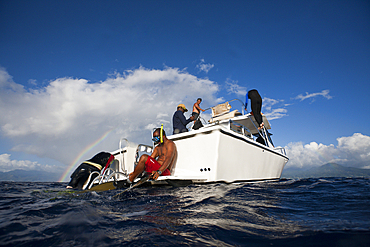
(303, 212)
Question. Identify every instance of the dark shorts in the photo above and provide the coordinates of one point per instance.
(153, 165)
(195, 115)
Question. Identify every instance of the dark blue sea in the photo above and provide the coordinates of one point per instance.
(305, 212)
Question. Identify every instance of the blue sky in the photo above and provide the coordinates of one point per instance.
(71, 71)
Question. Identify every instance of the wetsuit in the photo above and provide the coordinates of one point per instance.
(83, 171)
(179, 122)
(81, 174)
(256, 104)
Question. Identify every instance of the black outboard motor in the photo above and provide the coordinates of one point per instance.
(83, 171)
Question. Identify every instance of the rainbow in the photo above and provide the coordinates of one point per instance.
(84, 151)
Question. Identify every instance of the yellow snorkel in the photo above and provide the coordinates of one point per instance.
(161, 134)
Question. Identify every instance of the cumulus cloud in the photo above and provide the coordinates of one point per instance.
(69, 114)
(7, 164)
(353, 151)
(324, 93)
(205, 67)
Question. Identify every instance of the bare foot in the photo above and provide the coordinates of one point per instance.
(69, 187)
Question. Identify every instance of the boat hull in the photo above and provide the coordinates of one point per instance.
(224, 151)
(217, 154)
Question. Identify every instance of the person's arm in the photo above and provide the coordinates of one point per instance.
(183, 120)
(169, 156)
(198, 107)
(246, 101)
(154, 153)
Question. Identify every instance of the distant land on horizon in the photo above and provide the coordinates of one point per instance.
(20, 175)
(327, 170)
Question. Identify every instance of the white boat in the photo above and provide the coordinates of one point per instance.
(229, 148)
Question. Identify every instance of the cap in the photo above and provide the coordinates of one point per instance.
(183, 107)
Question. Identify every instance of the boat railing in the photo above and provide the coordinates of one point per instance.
(104, 177)
(113, 171)
(281, 150)
(241, 102)
(87, 183)
(240, 129)
(120, 150)
(140, 150)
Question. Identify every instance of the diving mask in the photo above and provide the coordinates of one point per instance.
(156, 140)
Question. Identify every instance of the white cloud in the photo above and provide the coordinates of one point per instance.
(273, 113)
(233, 87)
(61, 119)
(7, 84)
(276, 113)
(205, 67)
(32, 82)
(6, 164)
(353, 151)
(275, 109)
(269, 103)
(324, 93)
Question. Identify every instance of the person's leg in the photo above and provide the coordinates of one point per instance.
(79, 176)
(195, 115)
(139, 168)
(256, 105)
(153, 165)
(256, 109)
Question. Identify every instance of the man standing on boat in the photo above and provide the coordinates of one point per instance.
(160, 162)
(179, 121)
(197, 109)
(256, 105)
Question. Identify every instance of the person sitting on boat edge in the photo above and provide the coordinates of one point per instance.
(160, 162)
(197, 109)
(179, 121)
(256, 105)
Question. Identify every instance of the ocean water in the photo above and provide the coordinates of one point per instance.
(305, 212)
